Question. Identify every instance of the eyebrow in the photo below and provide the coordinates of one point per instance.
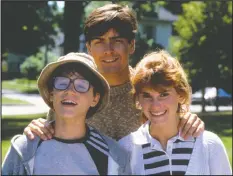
(117, 37)
(147, 93)
(111, 38)
(165, 90)
(68, 75)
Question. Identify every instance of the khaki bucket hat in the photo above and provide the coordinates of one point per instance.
(82, 58)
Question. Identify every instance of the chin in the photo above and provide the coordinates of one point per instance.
(158, 121)
(113, 69)
(68, 115)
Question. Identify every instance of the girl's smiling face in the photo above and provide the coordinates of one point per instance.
(160, 107)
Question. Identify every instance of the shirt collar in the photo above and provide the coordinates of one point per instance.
(71, 141)
(155, 142)
(189, 139)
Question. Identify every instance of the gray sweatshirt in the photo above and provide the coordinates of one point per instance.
(20, 157)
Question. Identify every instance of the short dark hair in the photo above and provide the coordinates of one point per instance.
(120, 18)
(68, 68)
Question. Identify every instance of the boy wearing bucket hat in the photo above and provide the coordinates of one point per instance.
(110, 38)
(74, 89)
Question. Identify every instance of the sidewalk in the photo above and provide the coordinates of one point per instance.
(37, 104)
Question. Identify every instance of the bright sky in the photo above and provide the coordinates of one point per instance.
(60, 4)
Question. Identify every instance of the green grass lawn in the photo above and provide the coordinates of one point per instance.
(20, 85)
(10, 101)
(28, 117)
(5, 147)
(227, 141)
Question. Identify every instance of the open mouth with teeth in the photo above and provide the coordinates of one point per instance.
(158, 113)
(110, 60)
(69, 103)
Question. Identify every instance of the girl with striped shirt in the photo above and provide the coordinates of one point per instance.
(161, 91)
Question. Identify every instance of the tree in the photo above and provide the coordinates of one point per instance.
(73, 16)
(26, 26)
(31, 67)
(205, 45)
(175, 7)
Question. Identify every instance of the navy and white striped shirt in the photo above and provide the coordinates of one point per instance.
(172, 161)
(203, 155)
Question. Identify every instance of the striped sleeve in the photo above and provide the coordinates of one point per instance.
(96, 141)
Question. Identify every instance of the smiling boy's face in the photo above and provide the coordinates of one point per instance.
(111, 52)
(72, 104)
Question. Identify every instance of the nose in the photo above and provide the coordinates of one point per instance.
(108, 49)
(155, 103)
(71, 87)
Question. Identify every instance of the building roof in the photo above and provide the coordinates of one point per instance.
(164, 14)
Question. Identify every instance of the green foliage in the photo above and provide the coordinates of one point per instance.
(27, 25)
(94, 5)
(204, 44)
(144, 8)
(191, 20)
(174, 7)
(32, 66)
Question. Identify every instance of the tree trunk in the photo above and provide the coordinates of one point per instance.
(46, 55)
(217, 100)
(203, 99)
(73, 12)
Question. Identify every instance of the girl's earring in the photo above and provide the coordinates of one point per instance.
(138, 105)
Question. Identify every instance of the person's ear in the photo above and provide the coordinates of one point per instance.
(95, 100)
(88, 46)
(132, 46)
(138, 105)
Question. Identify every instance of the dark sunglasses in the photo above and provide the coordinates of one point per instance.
(62, 83)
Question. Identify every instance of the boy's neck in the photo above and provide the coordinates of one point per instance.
(116, 79)
(69, 129)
